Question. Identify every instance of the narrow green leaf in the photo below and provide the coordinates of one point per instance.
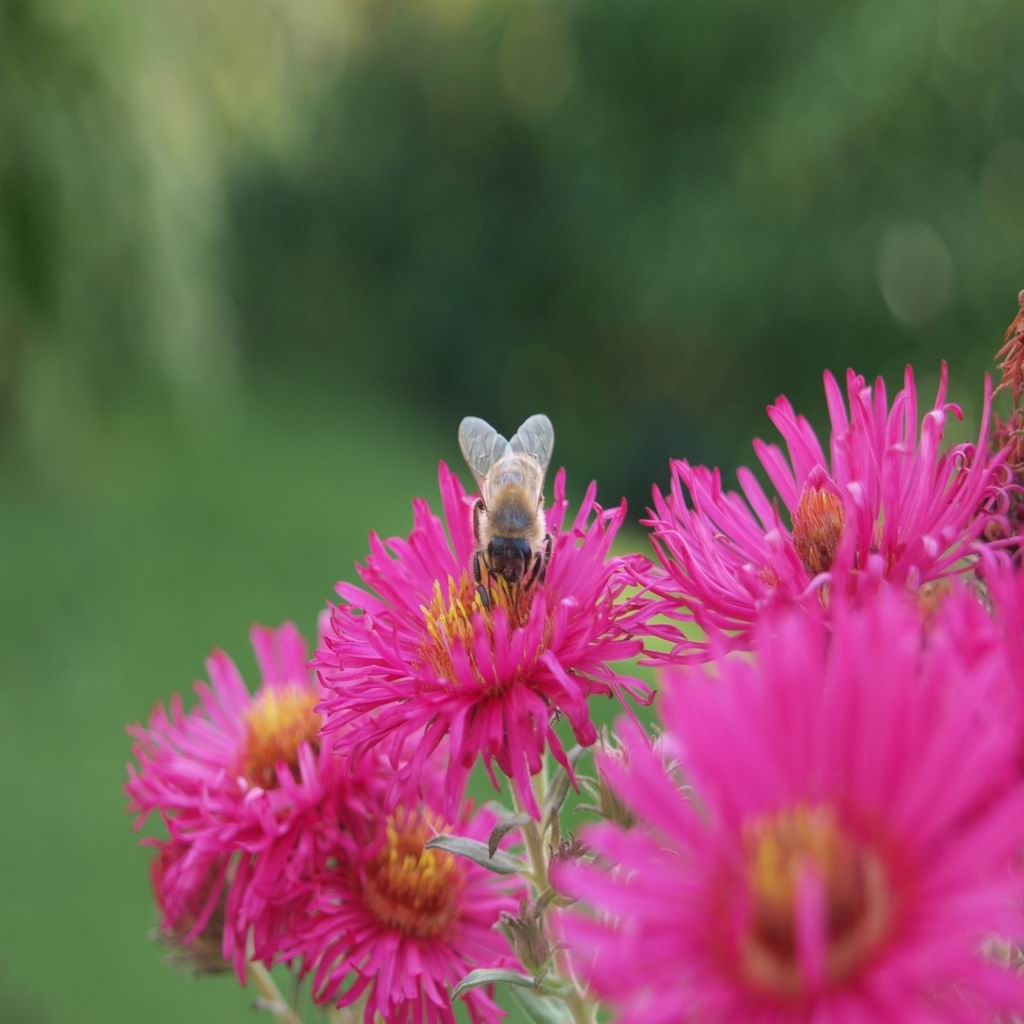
(490, 976)
(501, 863)
(503, 828)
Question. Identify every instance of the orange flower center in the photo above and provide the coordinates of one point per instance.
(785, 850)
(449, 619)
(408, 887)
(279, 721)
(817, 526)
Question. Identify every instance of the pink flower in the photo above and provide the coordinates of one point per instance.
(847, 847)
(416, 656)
(242, 784)
(887, 502)
(393, 924)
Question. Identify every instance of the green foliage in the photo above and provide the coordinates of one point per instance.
(119, 127)
(115, 593)
(647, 218)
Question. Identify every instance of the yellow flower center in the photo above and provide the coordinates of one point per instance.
(817, 526)
(449, 619)
(408, 887)
(277, 723)
(784, 850)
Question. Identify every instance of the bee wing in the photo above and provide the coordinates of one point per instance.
(482, 446)
(536, 438)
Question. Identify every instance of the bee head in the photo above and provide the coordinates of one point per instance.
(509, 557)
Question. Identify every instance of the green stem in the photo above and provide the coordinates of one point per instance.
(538, 859)
(573, 999)
(578, 1006)
(267, 988)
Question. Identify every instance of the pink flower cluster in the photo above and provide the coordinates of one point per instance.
(298, 817)
(829, 827)
(888, 502)
(281, 848)
(838, 838)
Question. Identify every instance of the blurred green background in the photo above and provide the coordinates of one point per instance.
(258, 258)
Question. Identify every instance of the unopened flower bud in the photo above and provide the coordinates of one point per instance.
(606, 801)
(569, 849)
(199, 952)
(526, 933)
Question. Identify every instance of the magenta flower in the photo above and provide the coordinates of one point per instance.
(886, 503)
(848, 846)
(393, 924)
(242, 784)
(416, 657)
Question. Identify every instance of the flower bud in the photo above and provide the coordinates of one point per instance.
(526, 933)
(190, 929)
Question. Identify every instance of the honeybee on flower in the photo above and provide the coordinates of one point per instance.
(416, 658)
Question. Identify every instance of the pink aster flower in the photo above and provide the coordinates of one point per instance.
(416, 656)
(886, 502)
(242, 784)
(848, 846)
(393, 925)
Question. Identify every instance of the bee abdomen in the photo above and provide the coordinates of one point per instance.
(510, 519)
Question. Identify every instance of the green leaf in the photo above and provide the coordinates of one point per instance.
(474, 850)
(490, 976)
(540, 1009)
(503, 828)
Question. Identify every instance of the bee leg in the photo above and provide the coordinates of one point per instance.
(547, 556)
(485, 598)
(534, 570)
(478, 507)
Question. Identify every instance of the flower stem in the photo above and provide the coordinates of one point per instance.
(271, 994)
(578, 1006)
(580, 1009)
(538, 859)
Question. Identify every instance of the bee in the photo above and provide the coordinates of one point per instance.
(512, 541)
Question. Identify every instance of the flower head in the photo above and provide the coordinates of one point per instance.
(887, 502)
(416, 655)
(395, 924)
(845, 850)
(242, 783)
